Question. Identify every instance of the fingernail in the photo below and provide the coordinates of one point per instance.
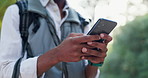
(84, 50)
(89, 43)
(102, 35)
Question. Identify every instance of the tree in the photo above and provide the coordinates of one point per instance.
(128, 58)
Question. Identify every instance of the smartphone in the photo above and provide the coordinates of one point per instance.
(102, 26)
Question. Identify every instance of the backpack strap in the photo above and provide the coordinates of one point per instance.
(24, 20)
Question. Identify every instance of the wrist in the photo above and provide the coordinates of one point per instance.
(46, 61)
(57, 55)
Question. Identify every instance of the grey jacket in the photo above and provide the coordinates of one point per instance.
(46, 38)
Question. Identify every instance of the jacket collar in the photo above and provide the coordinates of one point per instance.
(45, 2)
(73, 16)
(37, 7)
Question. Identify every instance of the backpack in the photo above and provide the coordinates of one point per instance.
(26, 18)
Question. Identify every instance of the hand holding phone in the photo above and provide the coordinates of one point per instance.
(101, 26)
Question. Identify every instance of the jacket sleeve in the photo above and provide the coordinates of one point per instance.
(10, 47)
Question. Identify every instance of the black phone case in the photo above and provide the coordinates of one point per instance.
(102, 26)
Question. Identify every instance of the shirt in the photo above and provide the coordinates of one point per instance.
(11, 42)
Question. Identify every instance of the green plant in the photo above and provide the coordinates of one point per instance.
(128, 58)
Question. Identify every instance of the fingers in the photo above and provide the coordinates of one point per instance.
(86, 38)
(81, 38)
(106, 37)
(95, 56)
(75, 34)
(84, 51)
(90, 52)
(101, 46)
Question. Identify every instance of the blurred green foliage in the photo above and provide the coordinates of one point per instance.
(128, 57)
(3, 6)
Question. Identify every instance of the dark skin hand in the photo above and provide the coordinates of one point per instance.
(71, 48)
(98, 56)
(93, 55)
(68, 51)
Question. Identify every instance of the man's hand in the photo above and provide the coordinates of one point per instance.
(97, 56)
(70, 50)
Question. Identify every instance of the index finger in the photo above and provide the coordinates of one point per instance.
(86, 38)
